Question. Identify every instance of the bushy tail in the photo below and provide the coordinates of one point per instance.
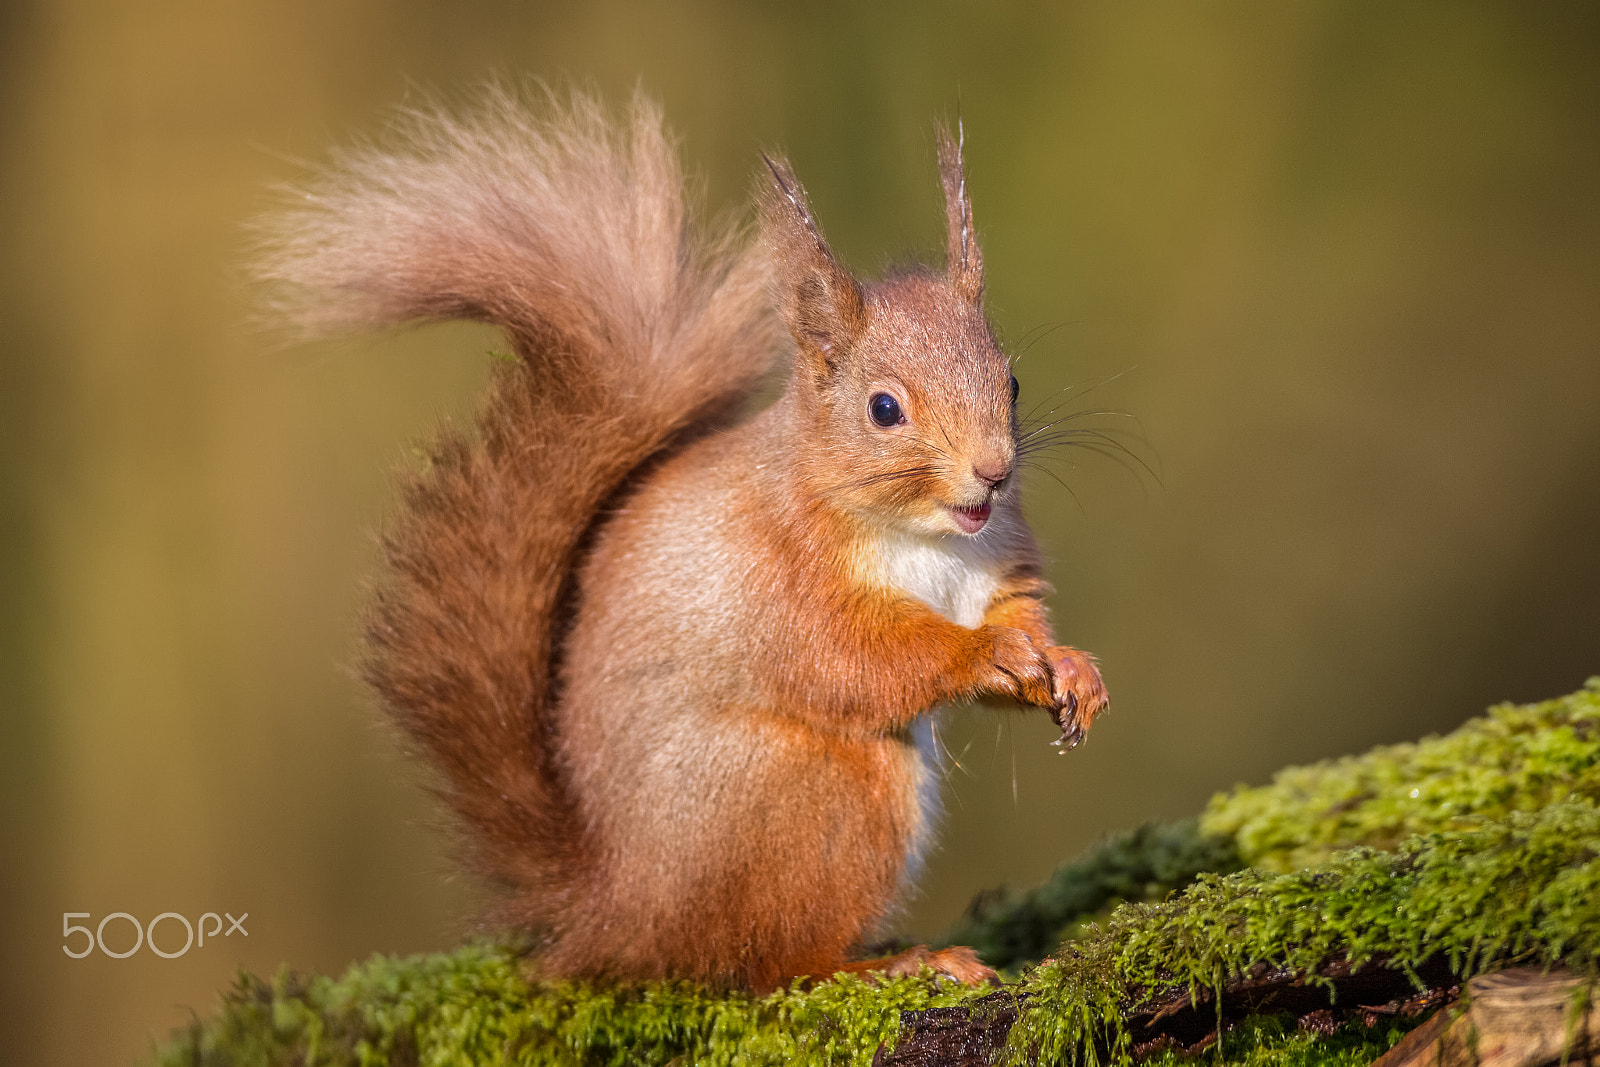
(630, 326)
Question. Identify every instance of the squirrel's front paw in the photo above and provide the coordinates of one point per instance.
(1021, 670)
(1080, 693)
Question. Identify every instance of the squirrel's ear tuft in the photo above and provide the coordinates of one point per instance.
(819, 300)
(964, 260)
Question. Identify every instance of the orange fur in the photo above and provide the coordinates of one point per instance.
(670, 664)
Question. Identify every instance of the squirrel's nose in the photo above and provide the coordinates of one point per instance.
(991, 472)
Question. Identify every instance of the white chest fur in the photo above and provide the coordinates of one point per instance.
(955, 576)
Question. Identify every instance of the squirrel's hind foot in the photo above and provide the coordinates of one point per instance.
(958, 962)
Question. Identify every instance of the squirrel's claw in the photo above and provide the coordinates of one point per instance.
(1066, 717)
(1072, 736)
(1080, 695)
(1062, 713)
(1073, 732)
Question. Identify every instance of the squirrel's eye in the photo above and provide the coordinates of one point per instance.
(1015, 388)
(885, 410)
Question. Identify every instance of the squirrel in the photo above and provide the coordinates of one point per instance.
(674, 661)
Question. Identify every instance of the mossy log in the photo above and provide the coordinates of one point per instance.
(1369, 891)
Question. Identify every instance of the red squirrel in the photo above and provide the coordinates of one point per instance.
(675, 662)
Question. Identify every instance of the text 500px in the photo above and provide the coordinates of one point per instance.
(209, 926)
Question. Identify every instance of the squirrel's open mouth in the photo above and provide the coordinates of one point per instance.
(971, 520)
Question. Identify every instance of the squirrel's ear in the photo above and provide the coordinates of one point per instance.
(964, 260)
(819, 300)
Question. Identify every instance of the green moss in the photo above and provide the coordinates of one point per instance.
(1272, 1041)
(1527, 888)
(1009, 929)
(1516, 758)
(475, 1006)
(1506, 867)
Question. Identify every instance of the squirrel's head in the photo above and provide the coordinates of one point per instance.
(913, 402)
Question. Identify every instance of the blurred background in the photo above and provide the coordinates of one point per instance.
(1342, 261)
